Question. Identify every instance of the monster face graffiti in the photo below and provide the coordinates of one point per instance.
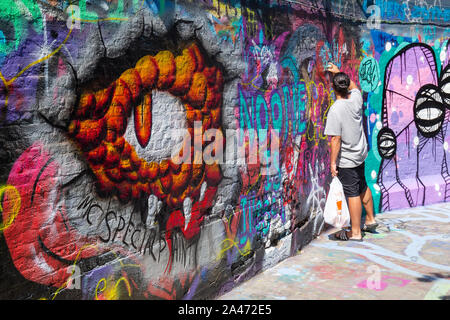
(101, 119)
(415, 104)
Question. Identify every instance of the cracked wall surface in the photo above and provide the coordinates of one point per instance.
(98, 99)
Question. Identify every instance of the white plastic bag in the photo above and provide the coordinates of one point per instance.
(336, 209)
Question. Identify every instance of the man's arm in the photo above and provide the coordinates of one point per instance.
(352, 86)
(335, 148)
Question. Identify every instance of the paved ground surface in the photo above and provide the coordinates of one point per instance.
(409, 258)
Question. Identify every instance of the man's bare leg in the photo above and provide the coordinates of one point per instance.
(355, 208)
(367, 201)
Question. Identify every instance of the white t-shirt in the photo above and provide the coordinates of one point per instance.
(344, 119)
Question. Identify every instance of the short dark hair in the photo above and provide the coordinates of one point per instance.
(341, 83)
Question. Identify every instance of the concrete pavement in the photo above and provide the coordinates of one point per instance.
(409, 258)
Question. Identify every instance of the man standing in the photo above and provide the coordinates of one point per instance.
(348, 153)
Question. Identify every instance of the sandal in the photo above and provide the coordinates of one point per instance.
(341, 235)
(370, 227)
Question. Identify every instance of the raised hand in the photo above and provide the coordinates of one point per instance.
(332, 68)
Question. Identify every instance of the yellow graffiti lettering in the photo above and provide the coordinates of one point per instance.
(114, 292)
(314, 107)
(122, 279)
(228, 244)
(102, 280)
(221, 9)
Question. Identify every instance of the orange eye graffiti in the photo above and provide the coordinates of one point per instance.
(99, 123)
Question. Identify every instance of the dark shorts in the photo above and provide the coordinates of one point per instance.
(353, 180)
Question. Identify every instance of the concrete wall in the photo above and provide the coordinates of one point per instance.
(94, 205)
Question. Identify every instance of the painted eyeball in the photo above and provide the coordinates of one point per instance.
(429, 111)
(444, 84)
(387, 143)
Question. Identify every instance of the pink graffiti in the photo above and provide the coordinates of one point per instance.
(383, 285)
(41, 242)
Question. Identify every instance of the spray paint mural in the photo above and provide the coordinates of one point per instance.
(94, 204)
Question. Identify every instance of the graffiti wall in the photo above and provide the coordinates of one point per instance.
(173, 149)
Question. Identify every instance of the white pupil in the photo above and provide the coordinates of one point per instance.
(167, 113)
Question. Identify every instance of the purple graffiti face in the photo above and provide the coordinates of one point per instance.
(415, 114)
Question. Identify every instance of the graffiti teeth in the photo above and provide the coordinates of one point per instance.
(154, 205)
(203, 190)
(187, 210)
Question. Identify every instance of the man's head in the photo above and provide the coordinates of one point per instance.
(341, 83)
